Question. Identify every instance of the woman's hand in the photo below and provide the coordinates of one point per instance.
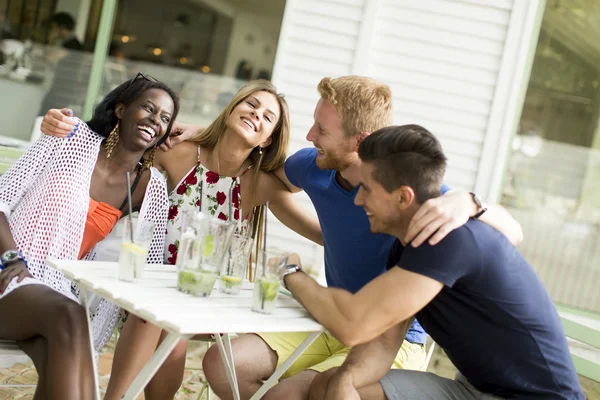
(7, 274)
(59, 123)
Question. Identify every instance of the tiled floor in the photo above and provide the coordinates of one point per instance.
(25, 374)
(193, 380)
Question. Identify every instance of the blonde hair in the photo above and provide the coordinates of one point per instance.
(364, 104)
(271, 158)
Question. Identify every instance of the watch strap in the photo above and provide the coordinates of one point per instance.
(19, 257)
(480, 204)
(290, 269)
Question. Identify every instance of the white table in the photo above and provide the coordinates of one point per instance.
(157, 301)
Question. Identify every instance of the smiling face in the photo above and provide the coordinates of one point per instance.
(334, 149)
(255, 118)
(145, 120)
(384, 209)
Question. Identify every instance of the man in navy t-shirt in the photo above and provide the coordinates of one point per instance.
(350, 107)
(473, 293)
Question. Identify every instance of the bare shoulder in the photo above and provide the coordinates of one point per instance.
(178, 154)
(177, 162)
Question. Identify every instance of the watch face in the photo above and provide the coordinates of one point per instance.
(10, 255)
(290, 269)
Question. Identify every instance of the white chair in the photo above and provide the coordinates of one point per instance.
(35, 130)
(11, 354)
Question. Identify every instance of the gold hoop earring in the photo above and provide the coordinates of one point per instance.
(149, 161)
(112, 140)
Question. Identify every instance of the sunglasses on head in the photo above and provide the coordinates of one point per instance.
(142, 76)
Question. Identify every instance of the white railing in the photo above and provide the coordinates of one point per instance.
(553, 190)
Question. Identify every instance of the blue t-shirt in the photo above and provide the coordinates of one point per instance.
(493, 317)
(353, 254)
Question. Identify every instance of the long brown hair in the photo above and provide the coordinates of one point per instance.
(274, 154)
(271, 158)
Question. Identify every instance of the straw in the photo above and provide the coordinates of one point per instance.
(130, 205)
(265, 224)
(201, 194)
(262, 291)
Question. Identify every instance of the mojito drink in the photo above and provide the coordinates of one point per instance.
(230, 284)
(265, 294)
(197, 282)
(131, 261)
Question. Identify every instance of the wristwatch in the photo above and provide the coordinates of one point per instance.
(11, 256)
(290, 269)
(482, 206)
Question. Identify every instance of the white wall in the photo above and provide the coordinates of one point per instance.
(452, 66)
(456, 67)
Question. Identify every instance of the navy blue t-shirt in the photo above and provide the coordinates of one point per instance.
(354, 255)
(493, 317)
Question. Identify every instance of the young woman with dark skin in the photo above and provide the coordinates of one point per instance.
(59, 200)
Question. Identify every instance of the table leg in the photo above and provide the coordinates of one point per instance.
(84, 303)
(272, 381)
(227, 357)
(157, 359)
(229, 352)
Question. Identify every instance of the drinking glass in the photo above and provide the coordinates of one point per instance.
(266, 285)
(234, 268)
(132, 257)
(202, 248)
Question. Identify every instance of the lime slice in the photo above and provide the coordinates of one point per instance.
(270, 287)
(134, 248)
(197, 283)
(231, 282)
(187, 277)
(208, 245)
(231, 279)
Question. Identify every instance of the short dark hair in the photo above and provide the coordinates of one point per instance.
(407, 155)
(104, 118)
(63, 20)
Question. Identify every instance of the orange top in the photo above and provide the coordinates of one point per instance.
(101, 218)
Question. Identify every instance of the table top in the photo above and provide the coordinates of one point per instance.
(157, 300)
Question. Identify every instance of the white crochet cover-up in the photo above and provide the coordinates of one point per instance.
(45, 197)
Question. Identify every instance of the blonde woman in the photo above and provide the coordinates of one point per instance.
(225, 171)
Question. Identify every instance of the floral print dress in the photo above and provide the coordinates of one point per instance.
(206, 191)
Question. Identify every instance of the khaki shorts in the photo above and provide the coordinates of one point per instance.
(327, 352)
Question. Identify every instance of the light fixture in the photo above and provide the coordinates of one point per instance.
(157, 51)
(183, 60)
(205, 69)
(124, 37)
